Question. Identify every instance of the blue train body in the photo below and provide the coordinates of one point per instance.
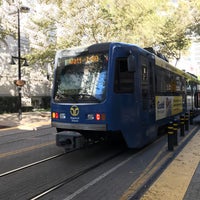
(121, 88)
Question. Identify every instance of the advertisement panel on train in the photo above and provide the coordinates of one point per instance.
(167, 106)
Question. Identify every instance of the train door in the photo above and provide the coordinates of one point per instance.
(197, 99)
(147, 98)
(124, 109)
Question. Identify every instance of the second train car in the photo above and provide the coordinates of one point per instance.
(116, 88)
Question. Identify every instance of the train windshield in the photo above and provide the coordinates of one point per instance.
(81, 78)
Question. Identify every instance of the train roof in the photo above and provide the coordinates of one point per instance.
(190, 77)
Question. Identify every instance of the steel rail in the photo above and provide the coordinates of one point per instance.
(31, 165)
(75, 176)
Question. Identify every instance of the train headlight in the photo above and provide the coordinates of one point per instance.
(62, 116)
(90, 116)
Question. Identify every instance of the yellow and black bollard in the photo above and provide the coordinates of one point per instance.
(182, 124)
(175, 128)
(186, 121)
(170, 132)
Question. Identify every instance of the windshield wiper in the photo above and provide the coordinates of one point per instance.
(65, 97)
(75, 98)
(87, 97)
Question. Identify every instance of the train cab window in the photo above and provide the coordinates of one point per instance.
(124, 79)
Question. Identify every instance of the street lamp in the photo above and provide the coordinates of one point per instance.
(19, 82)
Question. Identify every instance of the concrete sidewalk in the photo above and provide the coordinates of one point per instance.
(30, 120)
(181, 179)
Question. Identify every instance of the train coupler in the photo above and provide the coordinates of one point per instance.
(69, 140)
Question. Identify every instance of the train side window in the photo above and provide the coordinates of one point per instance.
(145, 87)
(144, 73)
(163, 82)
(124, 79)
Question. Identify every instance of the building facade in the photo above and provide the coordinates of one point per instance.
(37, 90)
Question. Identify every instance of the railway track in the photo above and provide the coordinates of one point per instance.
(36, 166)
(69, 179)
(75, 176)
(40, 161)
(21, 172)
(63, 169)
(29, 165)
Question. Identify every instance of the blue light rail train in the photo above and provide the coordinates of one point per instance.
(114, 88)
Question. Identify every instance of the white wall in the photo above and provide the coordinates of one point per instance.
(36, 80)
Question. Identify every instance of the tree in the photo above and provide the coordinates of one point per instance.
(41, 31)
(134, 21)
(146, 23)
(173, 39)
(195, 18)
(5, 28)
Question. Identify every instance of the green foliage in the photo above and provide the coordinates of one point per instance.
(3, 33)
(157, 23)
(173, 39)
(195, 21)
(42, 56)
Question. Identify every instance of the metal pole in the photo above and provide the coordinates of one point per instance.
(19, 66)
